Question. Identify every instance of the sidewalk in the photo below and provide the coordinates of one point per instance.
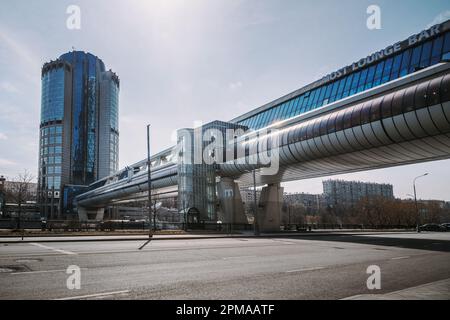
(439, 290)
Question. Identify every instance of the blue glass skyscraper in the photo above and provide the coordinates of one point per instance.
(79, 133)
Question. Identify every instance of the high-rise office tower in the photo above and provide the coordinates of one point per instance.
(79, 132)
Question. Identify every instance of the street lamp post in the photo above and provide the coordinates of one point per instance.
(415, 200)
(255, 204)
(149, 178)
(149, 175)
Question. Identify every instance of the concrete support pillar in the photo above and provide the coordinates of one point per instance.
(269, 211)
(100, 214)
(231, 206)
(82, 214)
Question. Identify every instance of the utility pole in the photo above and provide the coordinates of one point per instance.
(415, 201)
(255, 204)
(149, 178)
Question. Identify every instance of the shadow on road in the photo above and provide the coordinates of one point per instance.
(420, 244)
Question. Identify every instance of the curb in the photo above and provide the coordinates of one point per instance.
(143, 238)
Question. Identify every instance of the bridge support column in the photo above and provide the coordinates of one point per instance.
(85, 213)
(269, 211)
(231, 206)
(82, 214)
(100, 214)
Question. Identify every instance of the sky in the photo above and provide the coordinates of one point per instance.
(180, 62)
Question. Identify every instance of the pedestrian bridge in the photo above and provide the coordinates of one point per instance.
(401, 122)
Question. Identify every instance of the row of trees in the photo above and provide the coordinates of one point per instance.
(370, 212)
(17, 191)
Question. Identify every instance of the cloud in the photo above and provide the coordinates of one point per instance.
(3, 136)
(8, 87)
(7, 163)
(441, 17)
(235, 85)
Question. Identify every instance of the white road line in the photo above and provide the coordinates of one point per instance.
(400, 258)
(42, 271)
(95, 295)
(238, 257)
(306, 269)
(53, 249)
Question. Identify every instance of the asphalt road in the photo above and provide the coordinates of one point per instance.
(303, 267)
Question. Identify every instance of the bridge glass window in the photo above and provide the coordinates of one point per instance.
(378, 74)
(415, 59)
(334, 91)
(294, 107)
(348, 84)
(277, 114)
(341, 89)
(387, 70)
(287, 111)
(328, 93)
(297, 109)
(355, 81)
(446, 49)
(263, 118)
(311, 100)
(317, 98)
(362, 80)
(252, 122)
(437, 50)
(370, 77)
(396, 66)
(321, 96)
(281, 109)
(426, 55)
(406, 59)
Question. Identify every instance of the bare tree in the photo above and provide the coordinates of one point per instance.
(18, 191)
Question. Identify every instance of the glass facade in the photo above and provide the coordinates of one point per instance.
(50, 157)
(71, 117)
(52, 95)
(403, 63)
(86, 73)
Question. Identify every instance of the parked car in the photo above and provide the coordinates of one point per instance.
(446, 226)
(432, 227)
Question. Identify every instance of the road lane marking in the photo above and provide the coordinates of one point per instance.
(400, 258)
(53, 249)
(41, 271)
(95, 295)
(238, 257)
(305, 269)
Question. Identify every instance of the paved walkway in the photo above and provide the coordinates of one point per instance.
(439, 290)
